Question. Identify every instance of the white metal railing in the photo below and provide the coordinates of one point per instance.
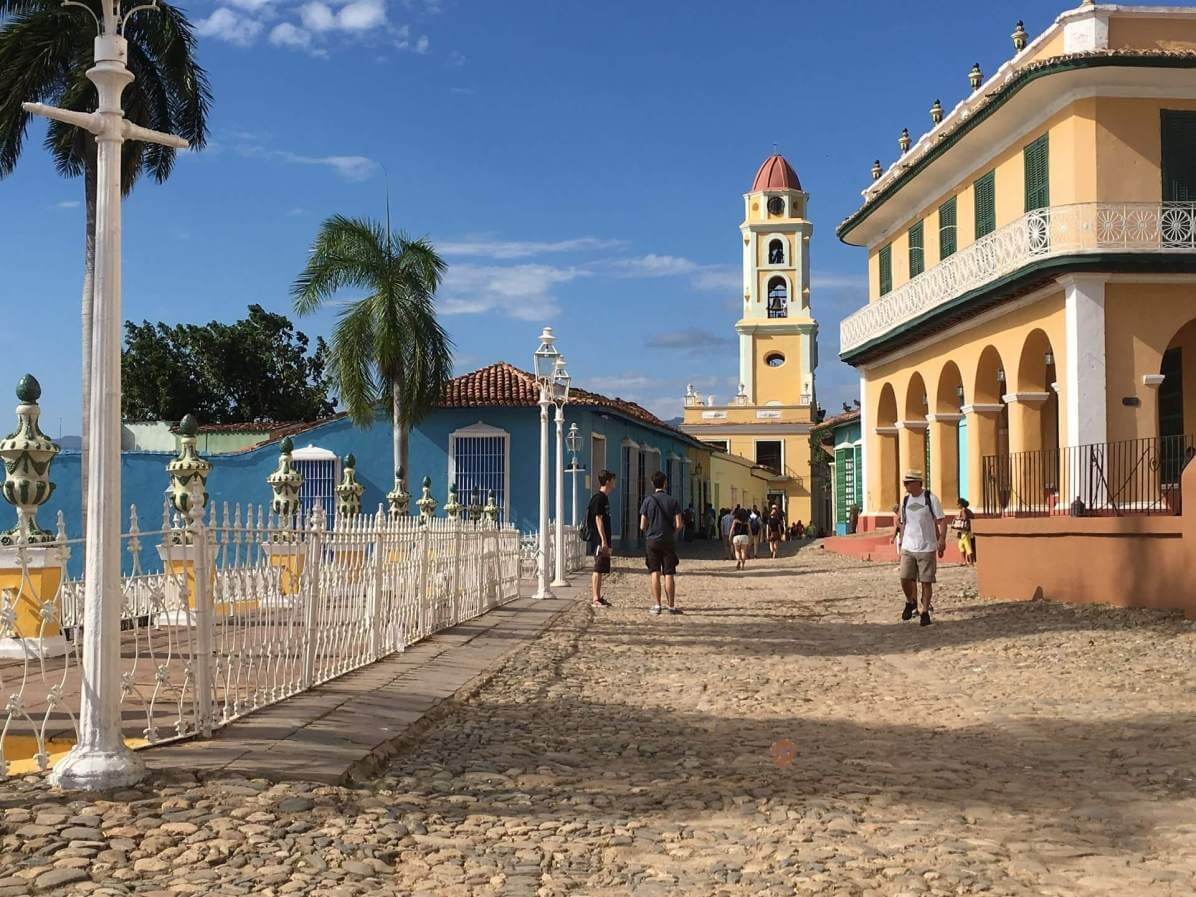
(1052, 232)
(529, 551)
(279, 611)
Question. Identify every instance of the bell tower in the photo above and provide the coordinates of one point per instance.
(777, 335)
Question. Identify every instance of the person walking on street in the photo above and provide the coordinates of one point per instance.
(962, 524)
(598, 524)
(776, 529)
(661, 521)
(741, 535)
(754, 523)
(922, 539)
(725, 520)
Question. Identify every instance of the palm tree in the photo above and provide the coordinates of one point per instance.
(387, 345)
(45, 51)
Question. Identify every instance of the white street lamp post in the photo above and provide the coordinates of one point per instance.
(101, 760)
(544, 361)
(560, 394)
(573, 440)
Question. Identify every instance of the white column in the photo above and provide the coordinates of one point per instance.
(863, 471)
(1085, 379)
(100, 759)
(559, 574)
(542, 574)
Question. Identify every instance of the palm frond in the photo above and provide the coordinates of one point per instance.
(352, 363)
(348, 252)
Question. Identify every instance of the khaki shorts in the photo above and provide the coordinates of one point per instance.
(921, 566)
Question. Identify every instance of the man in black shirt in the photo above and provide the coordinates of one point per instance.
(661, 520)
(598, 521)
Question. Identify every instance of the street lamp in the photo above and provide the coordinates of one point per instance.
(101, 760)
(561, 382)
(544, 366)
(573, 441)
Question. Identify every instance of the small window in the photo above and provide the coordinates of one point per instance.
(480, 467)
(318, 467)
(917, 258)
(778, 298)
(776, 252)
(886, 270)
(774, 359)
(720, 444)
(768, 454)
(947, 241)
(1038, 179)
(986, 204)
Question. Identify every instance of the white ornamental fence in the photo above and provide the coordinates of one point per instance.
(529, 551)
(1077, 229)
(279, 610)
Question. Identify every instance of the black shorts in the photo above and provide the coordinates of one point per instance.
(601, 561)
(662, 557)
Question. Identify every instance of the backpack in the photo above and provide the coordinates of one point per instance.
(588, 531)
(755, 525)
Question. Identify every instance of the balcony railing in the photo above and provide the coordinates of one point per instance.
(1041, 234)
(1137, 476)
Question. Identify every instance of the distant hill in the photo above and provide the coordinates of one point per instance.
(70, 443)
(675, 421)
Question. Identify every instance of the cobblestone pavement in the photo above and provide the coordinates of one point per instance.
(786, 735)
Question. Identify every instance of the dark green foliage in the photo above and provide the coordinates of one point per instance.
(256, 369)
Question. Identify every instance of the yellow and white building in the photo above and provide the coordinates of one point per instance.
(768, 422)
(1032, 263)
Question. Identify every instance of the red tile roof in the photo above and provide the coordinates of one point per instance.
(505, 385)
(775, 174)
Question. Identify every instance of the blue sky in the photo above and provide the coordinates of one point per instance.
(577, 163)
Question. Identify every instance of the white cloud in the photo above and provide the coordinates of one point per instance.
(456, 58)
(226, 25)
(67, 204)
(421, 45)
(517, 249)
(287, 35)
(262, 6)
(351, 168)
(519, 291)
(317, 17)
(653, 265)
(718, 280)
(357, 16)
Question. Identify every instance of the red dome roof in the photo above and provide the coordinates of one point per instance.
(775, 174)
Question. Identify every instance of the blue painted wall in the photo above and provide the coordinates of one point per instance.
(240, 477)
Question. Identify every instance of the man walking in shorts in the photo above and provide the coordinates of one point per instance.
(598, 520)
(922, 539)
(660, 521)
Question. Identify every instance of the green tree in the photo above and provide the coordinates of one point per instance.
(387, 347)
(255, 369)
(46, 49)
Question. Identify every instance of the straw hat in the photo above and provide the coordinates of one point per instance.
(911, 476)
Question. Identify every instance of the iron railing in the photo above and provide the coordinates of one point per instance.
(1077, 229)
(1136, 476)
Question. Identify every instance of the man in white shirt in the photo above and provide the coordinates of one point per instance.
(922, 539)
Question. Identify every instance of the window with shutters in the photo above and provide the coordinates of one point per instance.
(320, 471)
(947, 240)
(985, 192)
(478, 465)
(843, 476)
(886, 270)
(917, 258)
(1038, 181)
(1179, 156)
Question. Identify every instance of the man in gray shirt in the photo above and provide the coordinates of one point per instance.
(660, 521)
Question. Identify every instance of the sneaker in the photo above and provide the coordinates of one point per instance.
(654, 609)
(602, 600)
(673, 610)
(925, 619)
(908, 613)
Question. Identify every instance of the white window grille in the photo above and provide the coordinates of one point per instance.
(320, 470)
(479, 464)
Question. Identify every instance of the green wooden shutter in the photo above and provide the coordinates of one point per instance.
(947, 242)
(842, 459)
(886, 269)
(1038, 180)
(1179, 156)
(917, 258)
(857, 459)
(985, 191)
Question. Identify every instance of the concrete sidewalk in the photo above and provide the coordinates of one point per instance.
(348, 728)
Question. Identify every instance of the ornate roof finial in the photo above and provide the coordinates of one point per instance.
(975, 76)
(877, 171)
(903, 140)
(936, 111)
(1020, 38)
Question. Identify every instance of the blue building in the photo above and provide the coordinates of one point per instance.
(839, 439)
(485, 435)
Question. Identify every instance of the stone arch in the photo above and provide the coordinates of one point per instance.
(988, 425)
(1176, 418)
(949, 436)
(886, 452)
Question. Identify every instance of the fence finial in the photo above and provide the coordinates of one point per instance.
(348, 493)
(27, 454)
(398, 498)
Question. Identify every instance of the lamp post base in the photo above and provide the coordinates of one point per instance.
(542, 593)
(97, 770)
(560, 583)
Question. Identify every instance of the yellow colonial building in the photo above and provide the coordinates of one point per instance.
(1032, 269)
(768, 422)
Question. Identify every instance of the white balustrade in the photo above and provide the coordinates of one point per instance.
(1054, 232)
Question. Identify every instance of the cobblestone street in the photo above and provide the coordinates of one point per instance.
(785, 735)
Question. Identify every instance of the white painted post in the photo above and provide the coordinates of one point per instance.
(377, 595)
(559, 534)
(311, 578)
(456, 580)
(421, 594)
(542, 588)
(101, 760)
